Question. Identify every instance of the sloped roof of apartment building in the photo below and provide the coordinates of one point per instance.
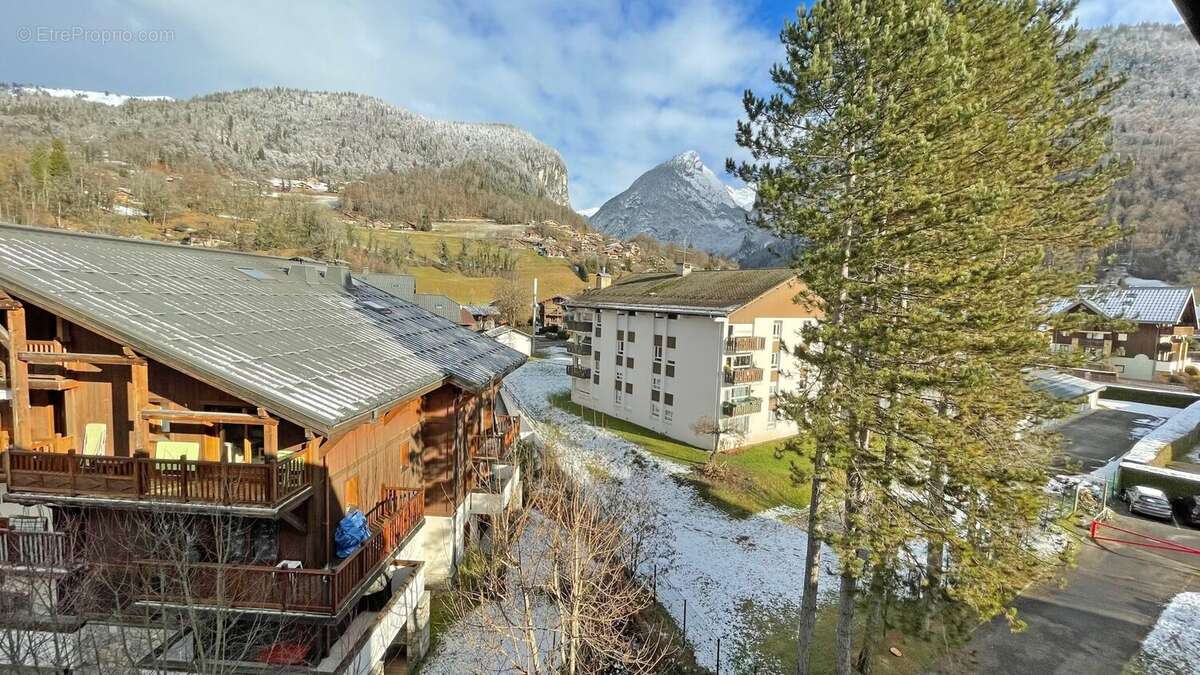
(318, 351)
(1143, 304)
(710, 291)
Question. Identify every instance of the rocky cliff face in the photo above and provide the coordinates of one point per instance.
(682, 201)
(284, 132)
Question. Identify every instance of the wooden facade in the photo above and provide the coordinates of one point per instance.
(111, 440)
(1163, 346)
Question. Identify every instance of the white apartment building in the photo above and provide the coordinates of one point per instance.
(681, 352)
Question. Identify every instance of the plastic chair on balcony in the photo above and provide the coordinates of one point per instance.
(177, 450)
(95, 435)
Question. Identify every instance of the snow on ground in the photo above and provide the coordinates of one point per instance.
(728, 571)
(1159, 411)
(1173, 646)
(104, 97)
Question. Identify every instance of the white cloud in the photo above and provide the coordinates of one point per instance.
(1093, 13)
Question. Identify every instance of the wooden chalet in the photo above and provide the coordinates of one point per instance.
(1134, 332)
(145, 384)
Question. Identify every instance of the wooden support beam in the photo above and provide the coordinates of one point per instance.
(18, 378)
(65, 357)
(271, 438)
(206, 417)
(139, 399)
(7, 303)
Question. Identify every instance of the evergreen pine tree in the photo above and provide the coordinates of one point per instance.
(945, 164)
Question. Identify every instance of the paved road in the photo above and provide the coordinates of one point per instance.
(1095, 438)
(1094, 617)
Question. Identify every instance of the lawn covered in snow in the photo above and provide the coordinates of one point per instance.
(1173, 645)
(735, 575)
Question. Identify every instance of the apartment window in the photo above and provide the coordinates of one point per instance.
(597, 328)
(628, 361)
(775, 360)
(740, 361)
(596, 378)
(670, 342)
(620, 335)
(667, 415)
(617, 396)
(629, 388)
(658, 352)
(654, 410)
(618, 357)
(730, 331)
(620, 349)
(655, 395)
(777, 329)
(772, 419)
(669, 399)
(617, 383)
(631, 313)
(737, 393)
(658, 340)
(656, 368)
(656, 382)
(596, 356)
(670, 369)
(672, 317)
(631, 336)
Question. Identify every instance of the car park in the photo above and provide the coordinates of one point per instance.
(1187, 509)
(1148, 501)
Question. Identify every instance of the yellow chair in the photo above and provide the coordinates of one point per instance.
(94, 436)
(177, 450)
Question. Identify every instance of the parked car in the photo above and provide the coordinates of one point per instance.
(1188, 510)
(1148, 501)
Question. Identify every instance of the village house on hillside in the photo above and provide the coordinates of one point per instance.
(551, 312)
(1162, 320)
(260, 403)
(699, 356)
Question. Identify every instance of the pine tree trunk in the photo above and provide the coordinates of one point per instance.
(812, 569)
(934, 553)
(844, 640)
(874, 628)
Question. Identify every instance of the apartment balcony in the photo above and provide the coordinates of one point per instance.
(501, 440)
(579, 372)
(746, 406)
(325, 592)
(51, 476)
(579, 326)
(743, 375)
(493, 485)
(744, 344)
(580, 348)
(23, 551)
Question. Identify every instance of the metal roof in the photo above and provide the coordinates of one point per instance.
(1061, 386)
(714, 292)
(304, 341)
(1143, 304)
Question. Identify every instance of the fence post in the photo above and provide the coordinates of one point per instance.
(718, 656)
(685, 619)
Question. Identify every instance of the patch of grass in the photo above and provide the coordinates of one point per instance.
(757, 478)
(555, 275)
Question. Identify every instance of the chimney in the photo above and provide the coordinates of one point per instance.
(304, 272)
(338, 275)
(603, 280)
(682, 269)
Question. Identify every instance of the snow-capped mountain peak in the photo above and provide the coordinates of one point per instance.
(683, 201)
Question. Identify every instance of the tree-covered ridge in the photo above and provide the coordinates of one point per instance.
(288, 132)
(1156, 124)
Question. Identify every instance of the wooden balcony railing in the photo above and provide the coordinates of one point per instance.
(743, 375)
(746, 406)
(579, 326)
(33, 549)
(58, 444)
(579, 372)
(745, 344)
(143, 478)
(44, 347)
(481, 477)
(325, 591)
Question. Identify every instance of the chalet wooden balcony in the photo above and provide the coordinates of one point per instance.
(33, 550)
(746, 406)
(322, 592)
(579, 372)
(502, 438)
(269, 484)
(743, 375)
(580, 348)
(579, 326)
(745, 344)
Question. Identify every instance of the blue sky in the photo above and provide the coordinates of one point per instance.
(616, 87)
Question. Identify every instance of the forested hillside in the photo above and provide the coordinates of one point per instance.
(1157, 126)
(284, 132)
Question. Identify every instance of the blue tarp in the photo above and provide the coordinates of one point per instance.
(351, 532)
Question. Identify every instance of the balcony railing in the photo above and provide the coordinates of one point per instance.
(579, 326)
(745, 344)
(500, 440)
(142, 478)
(746, 406)
(580, 348)
(580, 372)
(482, 477)
(33, 549)
(743, 375)
(325, 591)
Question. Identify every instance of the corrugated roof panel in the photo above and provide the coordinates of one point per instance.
(313, 349)
(1144, 304)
